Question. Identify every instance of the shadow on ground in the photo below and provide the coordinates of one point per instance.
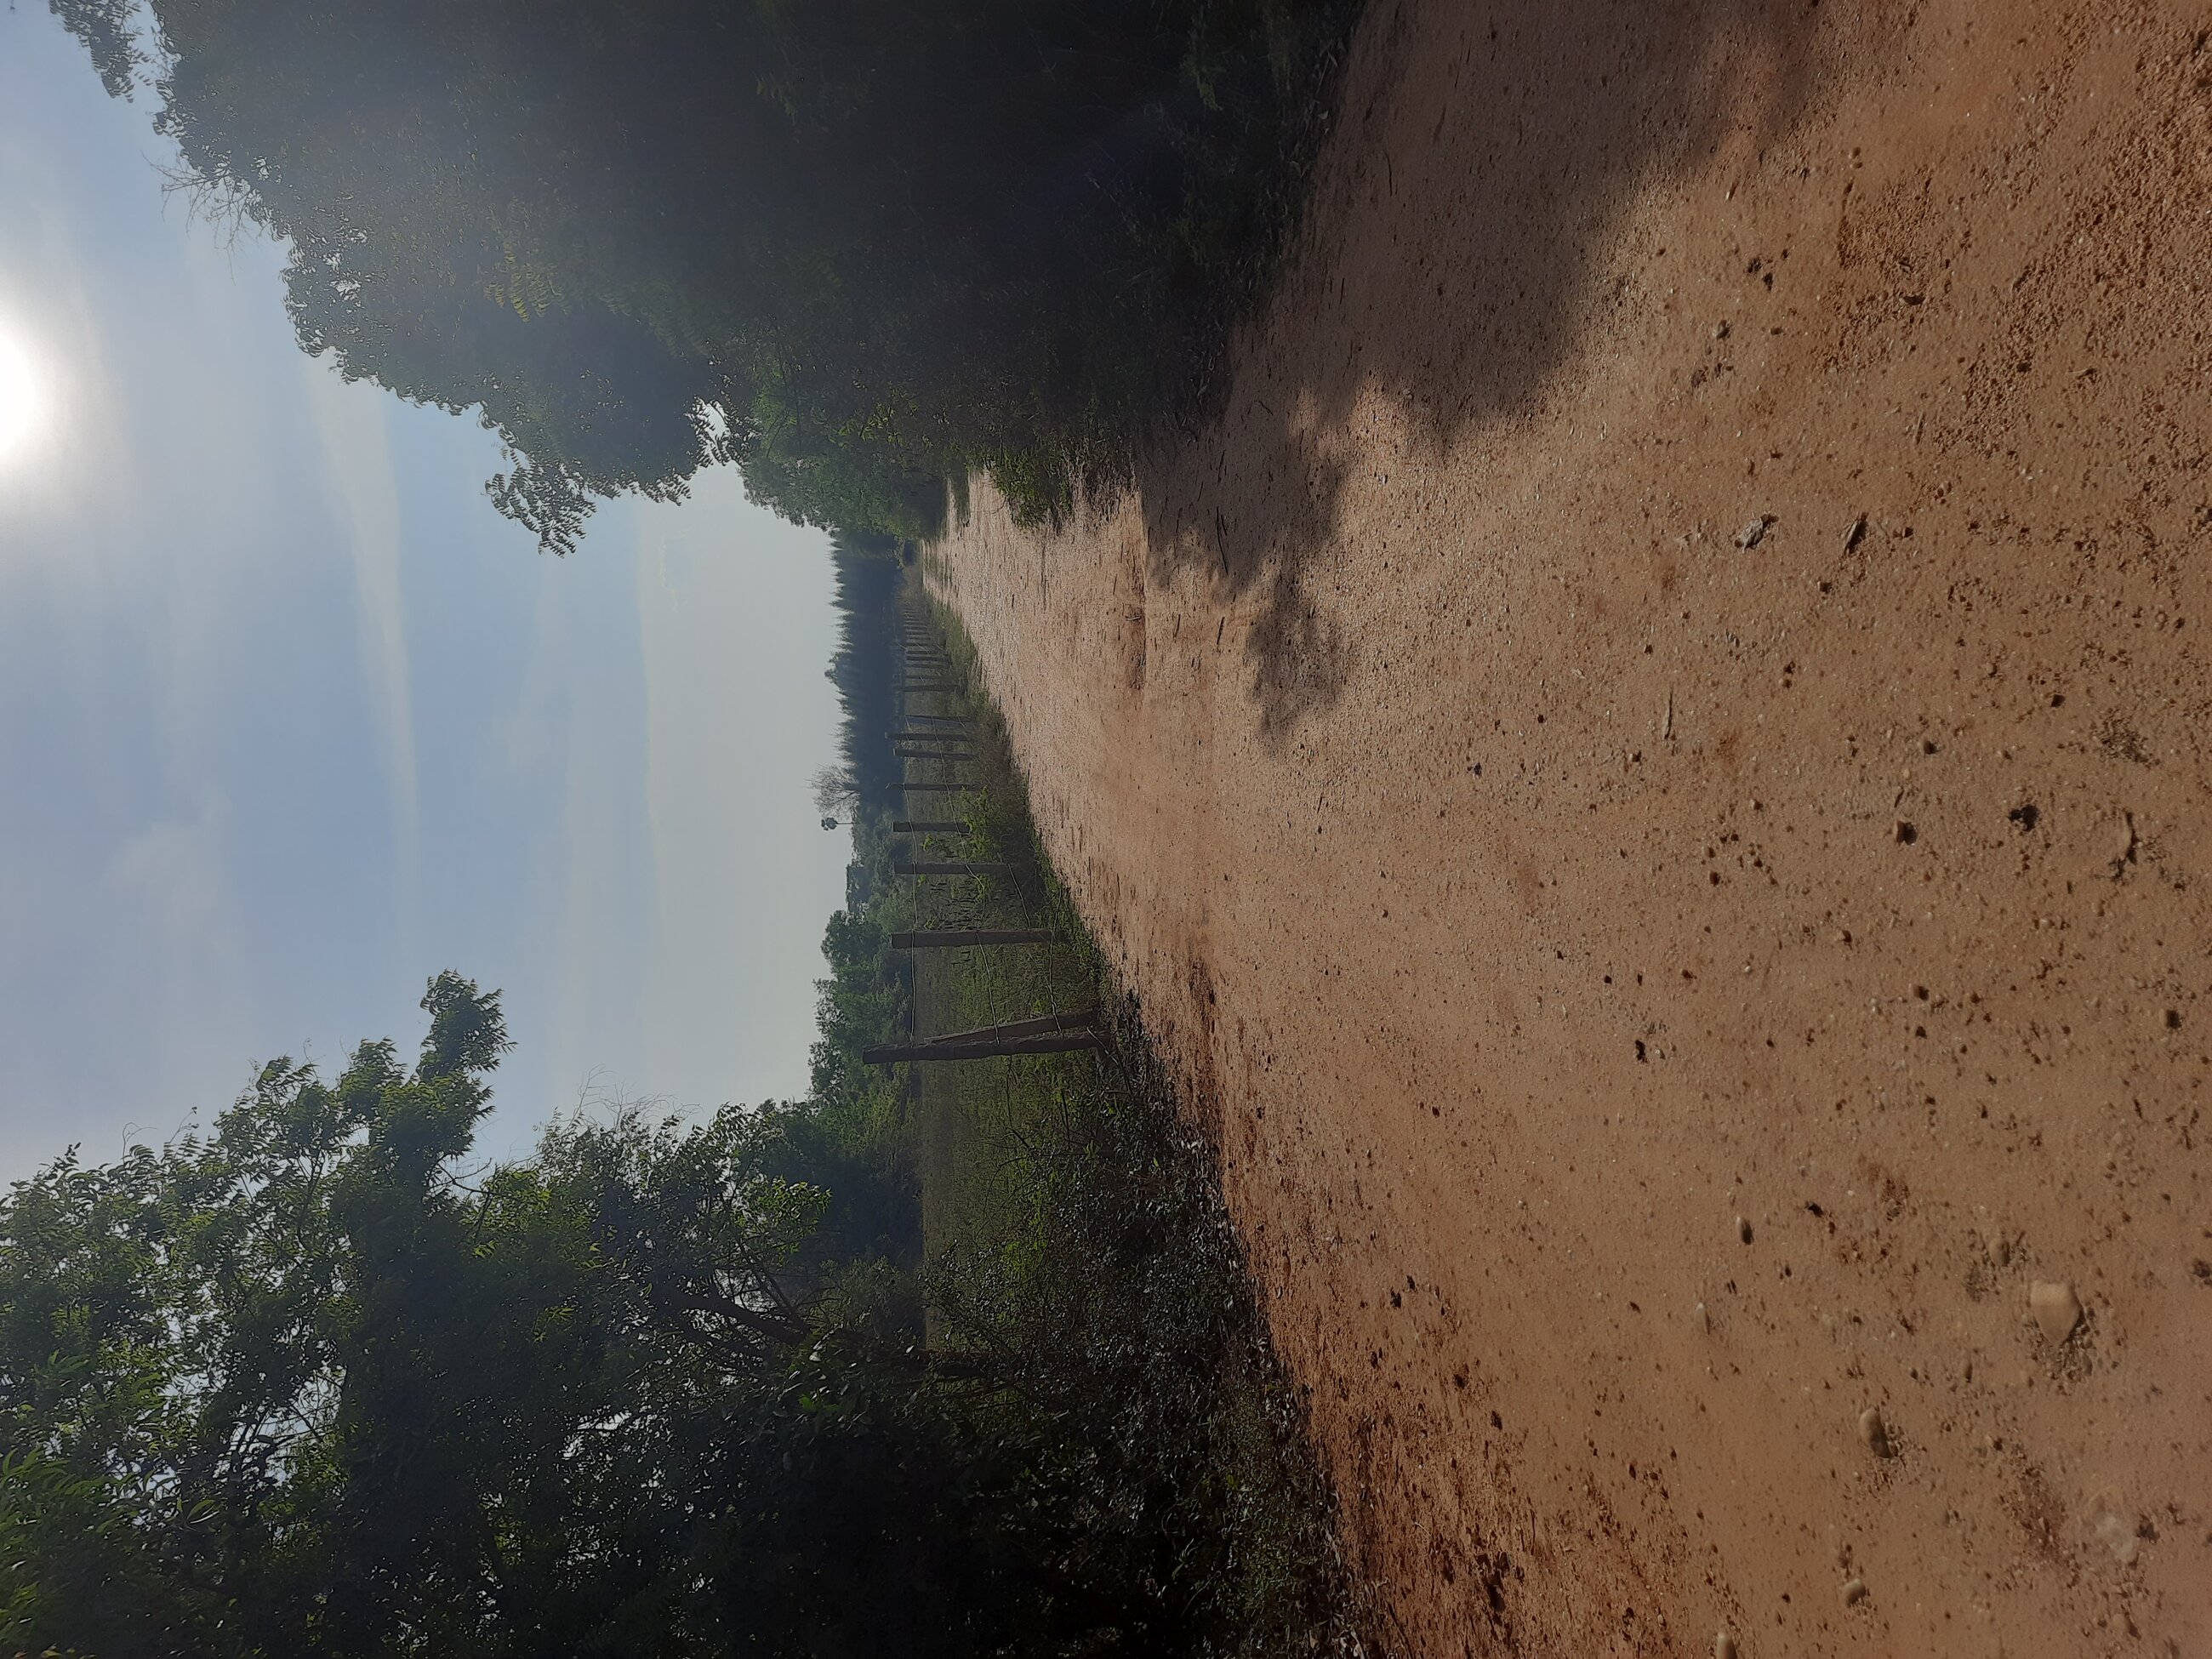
(1455, 257)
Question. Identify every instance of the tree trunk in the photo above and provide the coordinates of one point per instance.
(928, 826)
(946, 939)
(964, 868)
(896, 787)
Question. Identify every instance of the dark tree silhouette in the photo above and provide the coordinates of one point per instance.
(857, 247)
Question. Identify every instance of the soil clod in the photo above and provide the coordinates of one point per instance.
(1876, 1432)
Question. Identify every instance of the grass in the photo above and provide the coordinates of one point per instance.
(1076, 1247)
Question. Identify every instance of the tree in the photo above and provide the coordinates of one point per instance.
(304, 1385)
(836, 794)
(313, 1384)
(855, 247)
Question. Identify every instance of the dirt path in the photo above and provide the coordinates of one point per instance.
(1653, 766)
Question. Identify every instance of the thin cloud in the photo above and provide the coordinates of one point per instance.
(350, 421)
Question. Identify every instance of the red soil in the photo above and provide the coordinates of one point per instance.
(1537, 872)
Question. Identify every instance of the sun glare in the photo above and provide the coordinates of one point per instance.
(22, 398)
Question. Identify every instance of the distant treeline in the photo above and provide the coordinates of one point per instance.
(856, 247)
(868, 571)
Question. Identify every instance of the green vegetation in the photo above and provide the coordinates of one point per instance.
(1076, 1253)
(813, 1378)
(856, 247)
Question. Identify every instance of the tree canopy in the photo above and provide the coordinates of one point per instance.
(318, 1382)
(309, 1385)
(855, 246)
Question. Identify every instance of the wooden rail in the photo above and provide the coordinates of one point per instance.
(943, 938)
(1045, 1034)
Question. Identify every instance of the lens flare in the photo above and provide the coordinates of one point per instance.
(22, 398)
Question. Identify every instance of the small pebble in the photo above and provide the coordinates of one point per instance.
(1743, 1229)
(1754, 533)
(1854, 1591)
(2057, 1310)
(1724, 1646)
(1875, 1432)
(1703, 1320)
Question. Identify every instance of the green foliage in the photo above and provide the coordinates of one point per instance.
(309, 1385)
(301, 1386)
(1098, 1273)
(318, 1384)
(857, 248)
(1082, 1269)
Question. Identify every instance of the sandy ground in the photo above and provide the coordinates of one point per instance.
(1652, 770)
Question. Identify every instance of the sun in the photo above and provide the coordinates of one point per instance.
(22, 398)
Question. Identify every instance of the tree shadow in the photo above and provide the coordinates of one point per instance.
(1458, 254)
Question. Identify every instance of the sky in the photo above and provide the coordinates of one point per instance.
(290, 720)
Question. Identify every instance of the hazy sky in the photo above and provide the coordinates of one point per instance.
(290, 720)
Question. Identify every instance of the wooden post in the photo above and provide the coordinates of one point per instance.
(1046, 1034)
(947, 938)
(942, 868)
